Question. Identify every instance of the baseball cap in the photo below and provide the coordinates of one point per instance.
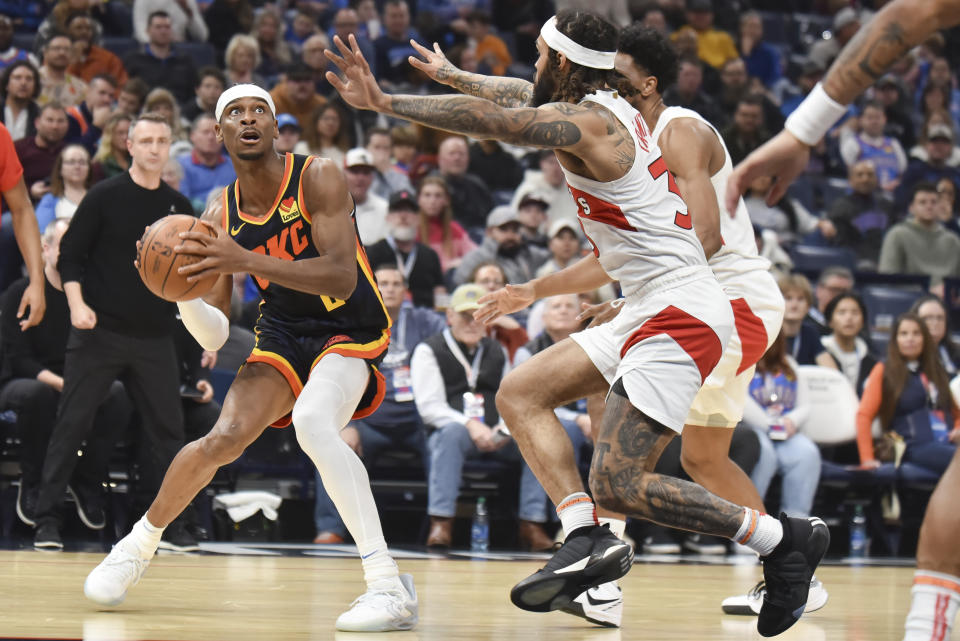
(558, 226)
(535, 197)
(844, 17)
(939, 131)
(403, 199)
(287, 120)
(502, 215)
(465, 297)
(358, 157)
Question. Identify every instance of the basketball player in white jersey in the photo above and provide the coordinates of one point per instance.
(893, 31)
(652, 358)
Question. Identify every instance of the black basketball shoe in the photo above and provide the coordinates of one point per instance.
(787, 572)
(583, 562)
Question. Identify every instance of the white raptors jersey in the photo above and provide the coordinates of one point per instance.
(638, 224)
(738, 254)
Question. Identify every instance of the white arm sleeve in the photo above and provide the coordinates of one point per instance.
(205, 323)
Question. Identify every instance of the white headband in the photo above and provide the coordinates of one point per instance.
(243, 91)
(575, 52)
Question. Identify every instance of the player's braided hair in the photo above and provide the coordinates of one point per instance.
(592, 32)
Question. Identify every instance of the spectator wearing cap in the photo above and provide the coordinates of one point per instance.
(158, 63)
(503, 244)
(89, 58)
(714, 46)
(921, 244)
(846, 23)
(393, 47)
(532, 212)
(370, 209)
(469, 196)
(889, 92)
(762, 58)
(861, 217)
(418, 263)
(206, 168)
(939, 146)
(870, 143)
(210, 84)
(456, 375)
(289, 139)
(810, 74)
(550, 183)
(566, 248)
(387, 179)
(495, 166)
(297, 96)
(396, 425)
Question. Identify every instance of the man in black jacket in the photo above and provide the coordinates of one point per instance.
(31, 379)
(119, 328)
(158, 63)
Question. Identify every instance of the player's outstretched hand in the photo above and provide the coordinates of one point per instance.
(783, 157)
(218, 254)
(506, 300)
(601, 312)
(434, 63)
(358, 85)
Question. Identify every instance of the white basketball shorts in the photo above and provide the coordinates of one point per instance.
(664, 343)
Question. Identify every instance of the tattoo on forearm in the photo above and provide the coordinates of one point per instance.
(866, 58)
(621, 476)
(481, 119)
(506, 92)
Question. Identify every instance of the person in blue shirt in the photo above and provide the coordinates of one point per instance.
(205, 168)
(761, 58)
(393, 47)
(396, 425)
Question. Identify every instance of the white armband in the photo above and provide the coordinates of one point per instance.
(813, 118)
(205, 323)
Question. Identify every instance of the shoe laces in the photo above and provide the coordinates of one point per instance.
(128, 567)
(392, 599)
(757, 590)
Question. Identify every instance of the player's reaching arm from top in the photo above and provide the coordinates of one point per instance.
(505, 91)
(893, 31)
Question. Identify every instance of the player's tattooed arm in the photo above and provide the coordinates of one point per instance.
(552, 126)
(622, 479)
(506, 92)
(892, 32)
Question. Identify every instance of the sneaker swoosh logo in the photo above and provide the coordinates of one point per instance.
(575, 567)
(593, 601)
(369, 555)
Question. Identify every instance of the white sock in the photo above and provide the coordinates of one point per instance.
(759, 532)
(936, 597)
(324, 407)
(617, 526)
(143, 539)
(577, 511)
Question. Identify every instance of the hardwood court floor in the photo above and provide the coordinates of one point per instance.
(236, 597)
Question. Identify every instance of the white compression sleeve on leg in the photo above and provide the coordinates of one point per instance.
(205, 323)
(324, 407)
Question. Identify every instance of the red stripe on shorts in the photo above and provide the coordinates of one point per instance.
(693, 335)
(753, 335)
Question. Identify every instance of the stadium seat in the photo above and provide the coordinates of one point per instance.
(810, 258)
(884, 304)
(202, 53)
(119, 45)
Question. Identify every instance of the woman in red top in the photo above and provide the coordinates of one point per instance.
(438, 229)
(911, 395)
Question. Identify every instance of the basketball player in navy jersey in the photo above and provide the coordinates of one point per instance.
(288, 221)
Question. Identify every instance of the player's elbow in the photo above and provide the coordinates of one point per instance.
(343, 286)
(711, 240)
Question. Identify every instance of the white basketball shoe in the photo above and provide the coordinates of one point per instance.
(108, 583)
(602, 605)
(388, 604)
(749, 604)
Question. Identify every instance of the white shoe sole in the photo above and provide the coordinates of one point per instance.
(742, 605)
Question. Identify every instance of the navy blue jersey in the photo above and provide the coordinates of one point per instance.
(285, 232)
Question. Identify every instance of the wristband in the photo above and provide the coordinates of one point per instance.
(813, 118)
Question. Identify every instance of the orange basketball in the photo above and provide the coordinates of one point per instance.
(159, 263)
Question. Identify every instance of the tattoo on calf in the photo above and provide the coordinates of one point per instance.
(627, 447)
